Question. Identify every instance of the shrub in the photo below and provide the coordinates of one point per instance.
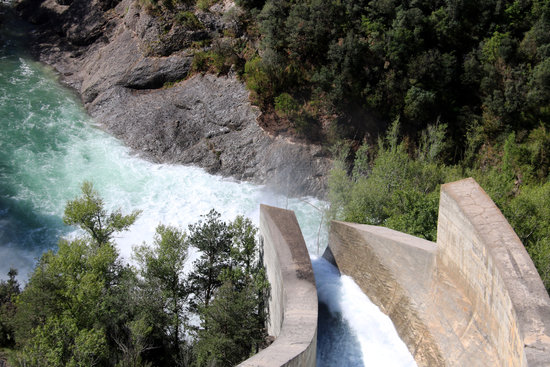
(210, 61)
(285, 104)
(204, 5)
(189, 20)
(258, 81)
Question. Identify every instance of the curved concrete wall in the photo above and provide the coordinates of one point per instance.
(472, 299)
(293, 302)
(479, 248)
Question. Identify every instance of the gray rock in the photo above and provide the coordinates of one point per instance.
(205, 120)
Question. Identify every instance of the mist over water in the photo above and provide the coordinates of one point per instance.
(49, 146)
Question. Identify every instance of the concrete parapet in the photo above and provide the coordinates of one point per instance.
(480, 248)
(474, 299)
(293, 302)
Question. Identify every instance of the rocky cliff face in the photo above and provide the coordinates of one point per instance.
(132, 71)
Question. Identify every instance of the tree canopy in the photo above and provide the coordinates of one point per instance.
(82, 306)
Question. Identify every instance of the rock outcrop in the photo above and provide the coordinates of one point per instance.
(132, 71)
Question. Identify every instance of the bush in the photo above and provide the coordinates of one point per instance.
(210, 61)
(285, 105)
(258, 81)
(390, 189)
(204, 5)
(189, 20)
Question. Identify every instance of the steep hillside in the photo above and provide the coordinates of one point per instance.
(138, 68)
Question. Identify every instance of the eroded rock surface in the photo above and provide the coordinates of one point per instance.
(132, 73)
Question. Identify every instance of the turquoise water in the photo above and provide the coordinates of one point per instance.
(48, 146)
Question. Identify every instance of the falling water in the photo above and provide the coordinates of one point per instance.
(49, 146)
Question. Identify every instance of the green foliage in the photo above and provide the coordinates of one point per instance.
(390, 189)
(82, 307)
(212, 237)
(209, 61)
(397, 186)
(75, 302)
(468, 81)
(219, 59)
(496, 48)
(64, 311)
(258, 81)
(285, 104)
(60, 342)
(418, 102)
(456, 62)
(88, 213)
(538, 145)
(231, 306)
(230, 330)
(163, 288)
(132, 350)
(226, 289)
(189, 20)
(529, 214)
(338, 181)
(9, 290)
(204, 5)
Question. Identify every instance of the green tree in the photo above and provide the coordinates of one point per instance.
(60, 342)
(163, 287)
(392, 189)
(9, 290)
(82, 307)
(212, 237)
(88, 213)
(64, 312)
(133, 348)
(233, 322)
(230, 330)
(75, 302)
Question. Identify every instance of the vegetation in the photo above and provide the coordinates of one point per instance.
(83, 307)
(189, 20)
(397, 185)
(9, 290)
(412, 94)
(390, 188)
(467, 64)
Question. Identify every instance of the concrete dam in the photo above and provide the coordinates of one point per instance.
(473, 298)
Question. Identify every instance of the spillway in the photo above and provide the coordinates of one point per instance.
(49, 146)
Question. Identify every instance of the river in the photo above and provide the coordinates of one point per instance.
(49, 146)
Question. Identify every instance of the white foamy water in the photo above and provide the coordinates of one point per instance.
(357, 333)
(49, 147)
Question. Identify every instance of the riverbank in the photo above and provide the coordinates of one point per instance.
(134, 75)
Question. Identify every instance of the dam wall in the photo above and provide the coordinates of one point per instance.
(478, 247)
(293, 300)
(474, 298)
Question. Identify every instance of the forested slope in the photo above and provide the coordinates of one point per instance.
(407, 95)
(412, 94)
(479, 67)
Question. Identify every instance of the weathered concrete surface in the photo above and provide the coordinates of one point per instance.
(479, 248)
(361, 251)
(399, 273)
(475, 299)
(293, 302)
